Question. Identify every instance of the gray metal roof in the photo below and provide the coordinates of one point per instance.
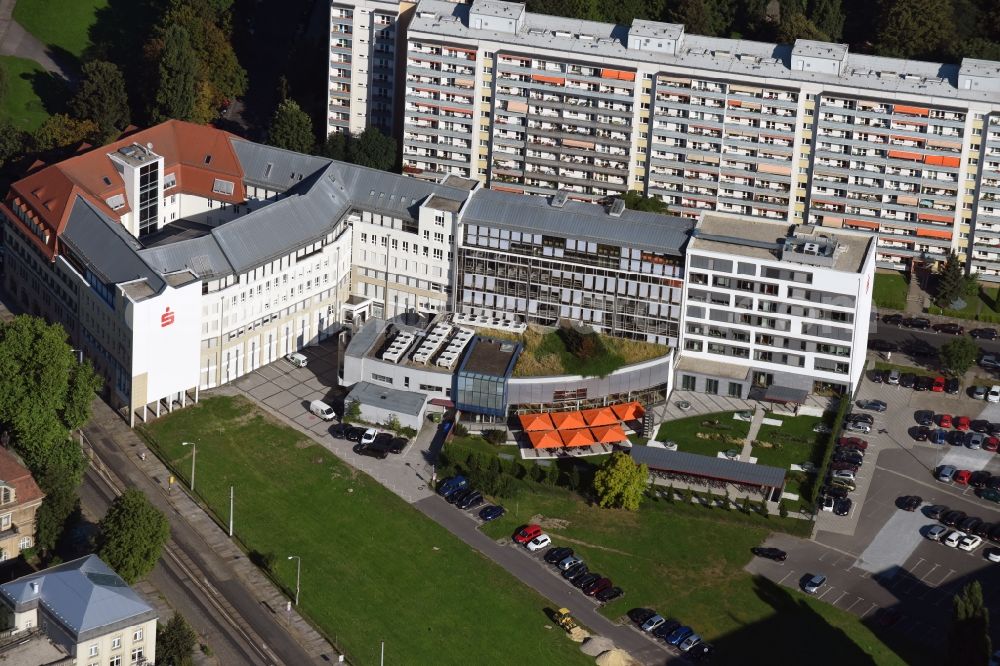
(274, 168)
(110, 252)
(401, 402)
(716, 468)
(85, 596)
(582, 221)
(365, 337)
(201, 255)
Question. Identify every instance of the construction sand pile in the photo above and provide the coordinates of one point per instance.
(616, 657)
(596, 645)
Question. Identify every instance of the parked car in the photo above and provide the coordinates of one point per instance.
(950, 329)
(993, 555)
(822, 429)
(952, 386)
(775, 554)
(918, 323)
(994, 429)
(937, 384)
(893, 319)
(984, 333)
(526, 533)
(398, 444)
(989, 361)
(832, 491)
(848, 484)
(956, 438)
(935, 532)
(492, 512)
(979, 392)
(457, 497)
(297, 359)
(680, 635)
(993, 395)
(842, 507)
(953, 539)
(963, 422)
(909, 502)
(995, 534)
(860, 418)
(924, 417)
(852, 443)
(993, 483)
(920, 433)
(339, 430)
(979, 478)
(365, 450)
(574, 571)
(939, 437)
(924, 383)
(354, 434)
(701, 652)
(610, 594)
(893, 377)
(975, 440)
(953, 518)
(557, 554)
(853, 426)
(944, 420)
(843, 474)
(470, 501)
(689, 642)
(539, 542)
(880, 345)
(369, 436)
(970, 524)
(962, 477)
(991, 443)
(569, 562)
(837, 466)
(983, 529)
(872, 405)
(584, 581)
(664, 630)
(979, 425)
(640, 615)
(598, 585)
(907, 380)
(813, 584)
(970, 542)
(452, 484)
(946, 473)
(935, 511)
(877, 376)
(848, 456)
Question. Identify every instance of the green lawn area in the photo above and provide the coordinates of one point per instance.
(22, 104)
(687, 563)
(373, 567)
(919, 372)
(793, 442)
(890, 291)
(729, 431)
(60, 23)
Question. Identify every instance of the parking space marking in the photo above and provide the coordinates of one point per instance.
(782, 581)
(825, 592)
(853, 603)
(842, 595)
(870, 609)
(821, 557)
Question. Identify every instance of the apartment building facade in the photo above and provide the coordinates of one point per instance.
(529, 103)
(774, 307)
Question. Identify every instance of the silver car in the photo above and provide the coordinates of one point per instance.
(813, 584)
(946, 473)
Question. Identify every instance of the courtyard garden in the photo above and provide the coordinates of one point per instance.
(890, 291)
(706, 434)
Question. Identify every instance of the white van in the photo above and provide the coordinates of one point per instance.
(297, 359)
(322, 410)
(993, 395)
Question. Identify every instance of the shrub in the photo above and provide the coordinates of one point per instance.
(460, 430)
(495, 437)
(782, 509)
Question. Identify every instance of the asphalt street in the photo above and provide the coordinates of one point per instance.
(927, 340)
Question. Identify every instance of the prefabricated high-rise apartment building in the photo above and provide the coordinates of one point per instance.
(807, 132)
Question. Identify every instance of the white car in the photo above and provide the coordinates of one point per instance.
(539, 542)
(936, 532)
(953, 539)
(993, 554)
(297, 359)
(994, 394)
(970, 543)
(843, 474)
(369, 436)
(689, 642)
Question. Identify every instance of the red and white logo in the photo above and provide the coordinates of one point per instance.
(167, 318)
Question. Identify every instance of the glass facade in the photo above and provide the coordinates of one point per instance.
(149, 198)
(482, 394)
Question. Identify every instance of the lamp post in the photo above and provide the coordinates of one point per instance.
(194, 456)
(298, 575)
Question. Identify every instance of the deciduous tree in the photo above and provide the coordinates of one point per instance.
(12, 142)
(62, 131)
(635, 201)
(291, 128)
(176, 93)
(969, 634)
(372, 149)
(102, 99)
(620, 483)
(958, 355)
(132, 535)
(915, 28)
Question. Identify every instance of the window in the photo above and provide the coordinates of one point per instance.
(735, 389)
(137, 655)
(688, 382)
(6, 495)
(712, 386)
(25, 542)
(115, 660)
(5, 521)
(381, 378)
(116, 642)
(137, 634)
(93, 650)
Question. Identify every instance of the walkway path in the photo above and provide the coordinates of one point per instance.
(755, 424)
(16, 41)
(915, 297)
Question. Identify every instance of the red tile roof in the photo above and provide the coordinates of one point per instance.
(51, 192)
(13, 473)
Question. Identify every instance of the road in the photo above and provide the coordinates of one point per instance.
(907, 338)
(177, 585)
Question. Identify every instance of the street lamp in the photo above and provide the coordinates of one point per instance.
(194, 456)
(298, 575)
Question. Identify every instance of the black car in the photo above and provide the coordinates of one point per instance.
(924, 417)
(455, 498)
(583, 581)
(918, 323)
(609, 594)
(950, 329)
(969, 524)
(877, 376)
(557, 554)
(953, 518)
(921, 433)
(909, 502)
(470, 501)
(354, 434)
(700, 653)
(851, 458)
(575, 570)
(983, 530)
(858, 417)
(893, 320)
(878, 344)
(398, 444)
(979, 478)
(640, 615)
(994, 429)
(923, 383)
(492, 513)
(339, 430)
(935, 511)
(382, 440)
(952, 386)
(842, 507)
(363, 450)
(979, 425)
(956, 438)
(850, 467)
(993, 483)
(775, 554)
(984, 333)
(872, 405)
(907, 380)
(832, 491)
(667, 628)
(995, 534)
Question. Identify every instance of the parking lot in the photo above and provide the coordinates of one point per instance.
(878, 562)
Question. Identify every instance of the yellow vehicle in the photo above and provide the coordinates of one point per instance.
(565, 620)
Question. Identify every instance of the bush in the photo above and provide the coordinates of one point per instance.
(495, 437)
(460, 430)
(782, 509)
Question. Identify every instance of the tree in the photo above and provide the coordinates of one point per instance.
(175, 641)
(620, 482)
(958, 355)
(335, 147)
(635, 201)
(177, 89)
(61, 131)
(951, 281)
(700, 17)
(352, 412)
(60, 481)
(102, 99)
(12, 142)
(969, 634)
(828, 17)
(372, 149)
(4, 84)
(746, 504)
(782, 509)
(915, 29)
(795, 25)
(291, 128)
(132, 535)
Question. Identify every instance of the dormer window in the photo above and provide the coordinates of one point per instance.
(222, 187)
(169, 180)
(208, 159)
(116, 202)
(107, 181)
(6, 494)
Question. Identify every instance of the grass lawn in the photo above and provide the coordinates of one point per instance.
(919, 372)
(687, 562)
(983, 306)
(793, 442)
(22, 105)
(60, 23)
(373, 567)
(685, 433)
(890, 291)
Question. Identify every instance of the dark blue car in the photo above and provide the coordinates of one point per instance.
(679, 635)
(492, 513)
(939, 437)
(452, 485)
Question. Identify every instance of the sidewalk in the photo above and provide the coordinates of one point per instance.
(109, 436)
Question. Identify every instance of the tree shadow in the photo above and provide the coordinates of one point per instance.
(52, 90)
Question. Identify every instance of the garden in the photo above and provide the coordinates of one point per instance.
(890, 291)
(706, 434)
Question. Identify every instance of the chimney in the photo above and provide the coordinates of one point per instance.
(34, 587)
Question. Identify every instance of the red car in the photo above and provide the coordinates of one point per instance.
(527, 533)
(852, 443)
(962, 423)
(991, 444)
(944, 420)
(938, 385)
(962, 477)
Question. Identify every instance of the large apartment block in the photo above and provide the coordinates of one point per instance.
(809, 132)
